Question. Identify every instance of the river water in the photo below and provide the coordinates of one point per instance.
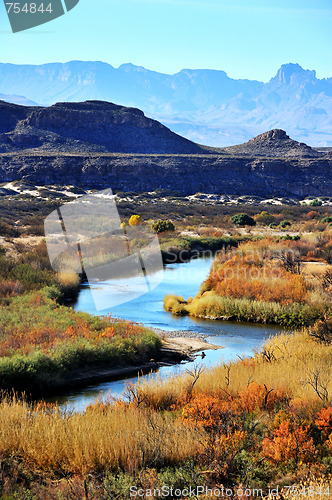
(184, 279)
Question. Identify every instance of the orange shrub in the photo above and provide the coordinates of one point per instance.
(241, 277)
(258, 397)
(324, 420)
(209, 412)
(289, 443)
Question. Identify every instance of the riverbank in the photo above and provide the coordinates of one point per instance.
(79, 350)
(177, 347)
(265, 281)
(213, 307)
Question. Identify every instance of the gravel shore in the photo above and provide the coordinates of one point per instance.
(178, 333)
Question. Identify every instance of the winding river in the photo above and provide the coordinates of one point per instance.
(182, 279)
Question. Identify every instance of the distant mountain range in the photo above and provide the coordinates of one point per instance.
(17, 99)
(205, 106)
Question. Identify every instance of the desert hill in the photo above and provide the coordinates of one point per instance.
(95, 144)
(90, 126)
(274, 143)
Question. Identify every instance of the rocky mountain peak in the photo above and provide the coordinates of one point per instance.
(272, 135)
(290, 73)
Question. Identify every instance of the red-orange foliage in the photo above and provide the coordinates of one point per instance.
(259, 397)
(209, 412)
(256, 276)
(291, 442)
(226, 436)
(324, 420)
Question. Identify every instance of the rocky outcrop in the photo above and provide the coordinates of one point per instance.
(187, 174)
(96, 144)
(274, 143)
(94, 126)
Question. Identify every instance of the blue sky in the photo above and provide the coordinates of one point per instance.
(245, 38)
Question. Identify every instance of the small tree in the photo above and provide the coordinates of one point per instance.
(243, 220)
(135, 220)
(163, 225)
(316, 203)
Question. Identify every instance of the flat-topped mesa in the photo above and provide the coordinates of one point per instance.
(90, 126)
(274, 143)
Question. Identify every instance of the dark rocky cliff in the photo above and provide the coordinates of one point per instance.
(187, 174)
(74, 144)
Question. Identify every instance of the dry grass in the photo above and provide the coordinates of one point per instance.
(210, 305)
(314, 268)
(104, 437)
(287, 361)
(68, 279)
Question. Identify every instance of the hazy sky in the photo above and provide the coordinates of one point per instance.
(245, 38)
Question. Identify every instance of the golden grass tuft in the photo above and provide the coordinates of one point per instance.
(68, 279)
(104, 437)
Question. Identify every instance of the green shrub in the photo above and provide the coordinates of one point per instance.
(285, 223)
(316, 203)
(162, 226)
(243, 220)
(287, 237)
(326, 219)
